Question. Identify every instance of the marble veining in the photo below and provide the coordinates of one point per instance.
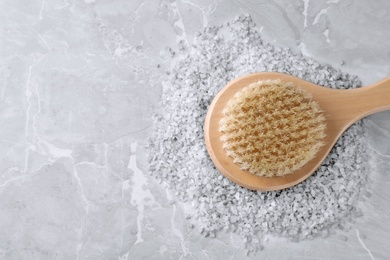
(79, 81)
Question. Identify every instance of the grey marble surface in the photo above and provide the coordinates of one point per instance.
(79, 81)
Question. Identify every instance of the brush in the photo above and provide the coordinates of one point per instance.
(269, 131)
(271, 128)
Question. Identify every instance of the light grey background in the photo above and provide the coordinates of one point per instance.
(79, 81)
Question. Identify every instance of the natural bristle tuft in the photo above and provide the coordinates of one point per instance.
(272, 128)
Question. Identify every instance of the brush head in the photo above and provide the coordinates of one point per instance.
(272, 128)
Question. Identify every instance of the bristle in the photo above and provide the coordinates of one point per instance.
(272, 128)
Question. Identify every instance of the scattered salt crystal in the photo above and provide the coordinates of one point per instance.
(179, 159)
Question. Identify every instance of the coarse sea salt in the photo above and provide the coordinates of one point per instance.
(325, 202)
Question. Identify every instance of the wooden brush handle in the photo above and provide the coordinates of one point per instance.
(348, 106)
(374, 98)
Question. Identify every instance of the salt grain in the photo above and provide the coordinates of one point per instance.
(178, 156)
